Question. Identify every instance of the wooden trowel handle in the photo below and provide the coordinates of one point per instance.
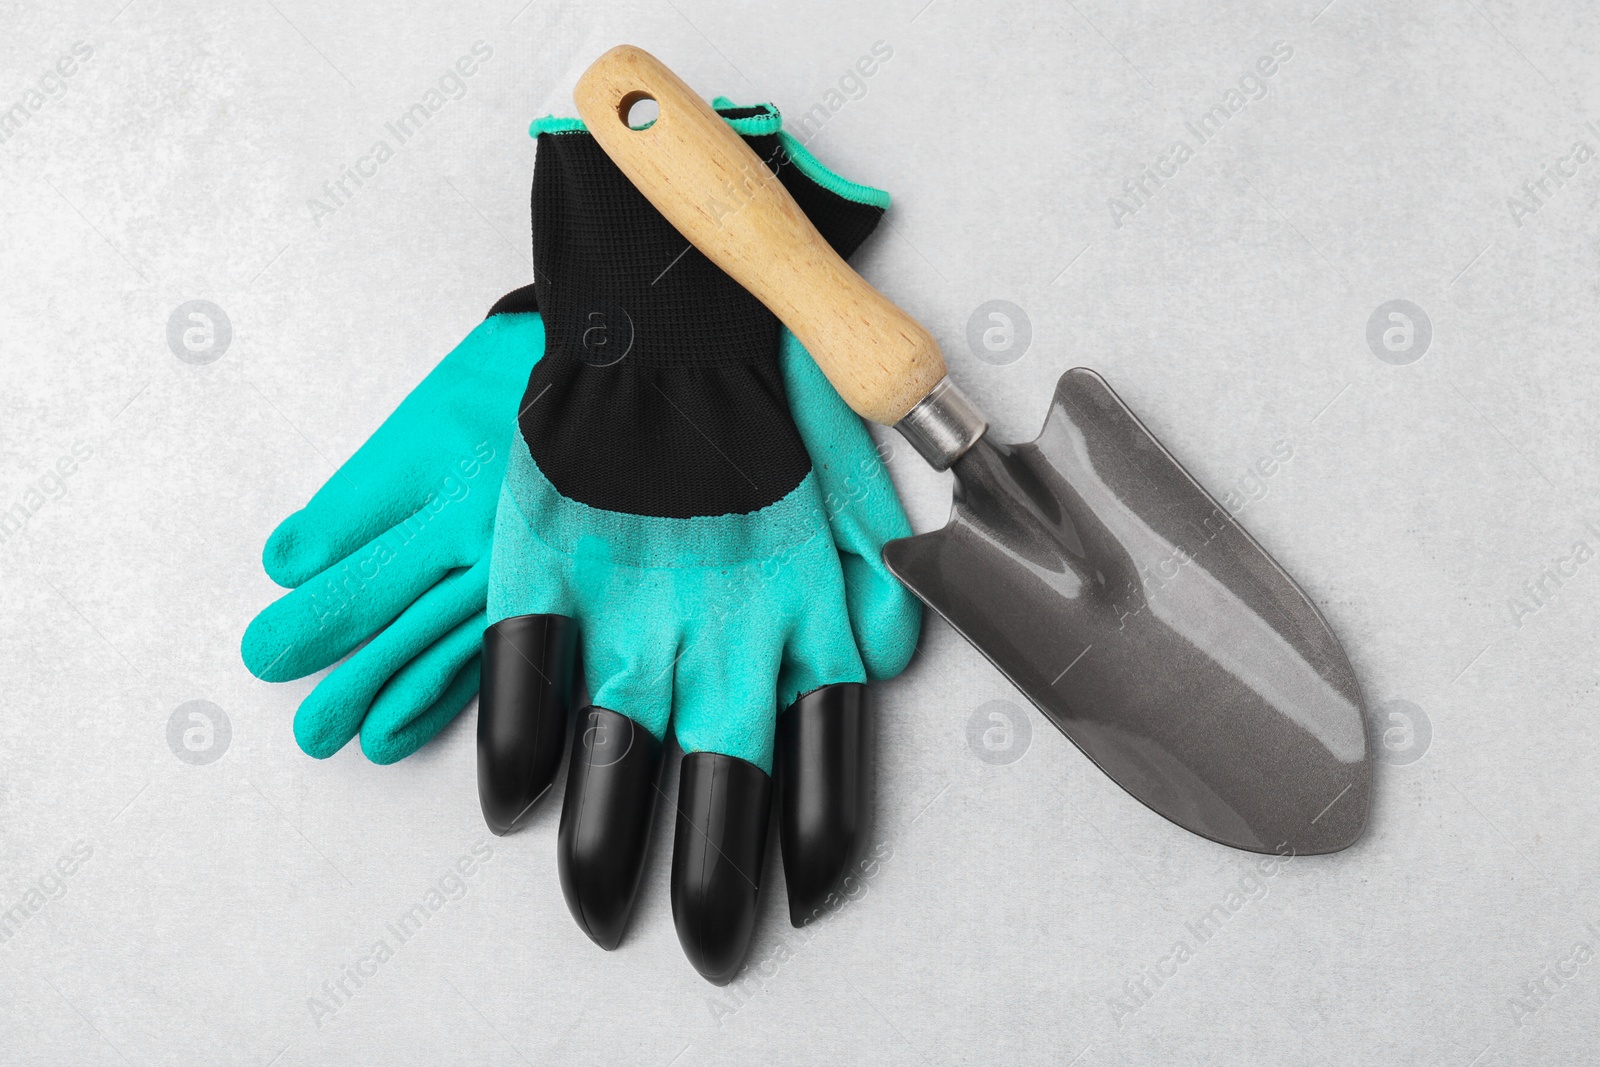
(721, 196)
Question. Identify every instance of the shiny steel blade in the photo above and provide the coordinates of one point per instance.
(1150, 628)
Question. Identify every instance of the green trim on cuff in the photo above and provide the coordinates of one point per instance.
(769, 122)
(813, 169)
(555, 124)
(762, 125)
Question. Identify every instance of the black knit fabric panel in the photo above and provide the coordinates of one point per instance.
(659, 391)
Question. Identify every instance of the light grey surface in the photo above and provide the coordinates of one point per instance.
(1024, 898)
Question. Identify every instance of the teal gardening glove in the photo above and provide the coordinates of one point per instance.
(689, 500)
(390, 558)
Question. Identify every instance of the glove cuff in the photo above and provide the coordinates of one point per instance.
(659, 392)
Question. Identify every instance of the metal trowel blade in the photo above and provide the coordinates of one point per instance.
(1127, 604)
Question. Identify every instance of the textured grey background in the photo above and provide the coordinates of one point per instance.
(1026, 910)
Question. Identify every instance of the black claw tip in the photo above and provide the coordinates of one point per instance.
(824, 793)
(721, 840)
(612, 785)
(522, 713)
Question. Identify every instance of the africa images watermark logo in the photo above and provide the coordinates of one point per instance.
(52, 85)
(1141, 189)
(198, 732)
(999, 332)
(1401, 732)
(1538, 592)
(447, 889)
(199, 332)
(340, 588)
(1251, 886)
(1535, 193)
(43, 490)
(1540, 991)
(851, 86)
(999, 732)
(756, 973)
(49, 886)
(1399, 332)
(736, 195)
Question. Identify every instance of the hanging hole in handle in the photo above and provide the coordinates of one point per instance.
(638, 110)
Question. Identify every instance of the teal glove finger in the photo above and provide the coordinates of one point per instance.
(322, 620)
(425, 695)
(377, 555)
(781, 619)
(459, 412)
(863, 513)
(336, 709)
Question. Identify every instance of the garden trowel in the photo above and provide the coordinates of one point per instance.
(1087, 565)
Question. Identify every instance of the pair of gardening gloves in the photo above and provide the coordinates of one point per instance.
(629, 480)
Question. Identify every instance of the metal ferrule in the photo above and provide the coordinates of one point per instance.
(943, 425)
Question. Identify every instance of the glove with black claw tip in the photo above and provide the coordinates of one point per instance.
(689, 500)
